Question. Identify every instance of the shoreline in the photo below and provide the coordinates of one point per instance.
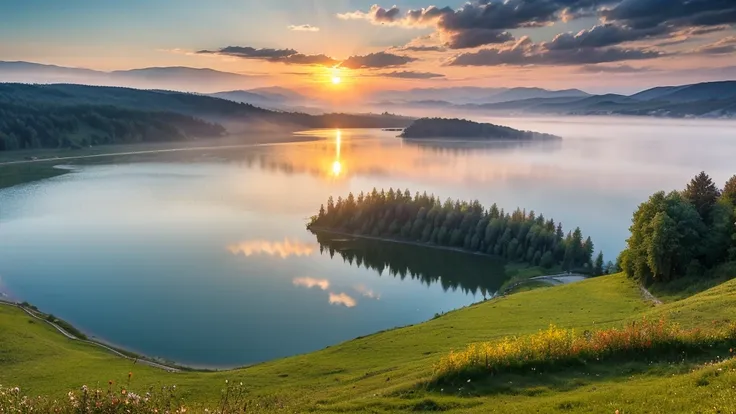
(120, 352)
(59, 170)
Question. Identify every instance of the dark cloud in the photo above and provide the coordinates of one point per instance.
(525, 53)
(422, 48)
(411, 75)
(247, 52)
(612, 69)
(601, 36)
(673, 13)
(471, 38)
(287, 56)
(376, 61)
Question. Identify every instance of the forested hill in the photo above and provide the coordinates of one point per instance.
(460, 128)
(519, 236)
(65, 115)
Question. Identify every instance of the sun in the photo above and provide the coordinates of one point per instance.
(336, 80)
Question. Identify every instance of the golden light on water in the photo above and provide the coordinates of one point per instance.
(336, 168)
(273, 248)
(337, 164)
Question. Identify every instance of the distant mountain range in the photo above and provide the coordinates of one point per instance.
(710, 99)
(172, 78)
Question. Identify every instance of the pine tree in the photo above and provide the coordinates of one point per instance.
(702, 193)
(729, 190)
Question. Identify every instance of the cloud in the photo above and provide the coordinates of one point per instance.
(601, 36)
(286, 56)
(724, 46)
(470, 38)
(310, 282)
(368, 293)
(282, 249)
(303, 28)
(481, 22)
(524, 52)
(376, 61)
(612, 69)
(421, 48)
(410, 75)
(672, 13)
(342, 299)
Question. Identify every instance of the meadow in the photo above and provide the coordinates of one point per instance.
(397, 370)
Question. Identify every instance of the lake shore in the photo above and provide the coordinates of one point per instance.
(20, 167)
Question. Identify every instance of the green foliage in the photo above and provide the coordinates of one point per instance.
(702, 193)
(30, 126)
(680, 234)
(461, 128)
(468, 226)
(729, 190)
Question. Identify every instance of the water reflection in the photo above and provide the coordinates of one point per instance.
(337, 164)
(342, 299)
(465, 147)
(452, 270)
(282, 249)
(310, 282)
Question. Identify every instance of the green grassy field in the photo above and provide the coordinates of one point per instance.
(389, 371)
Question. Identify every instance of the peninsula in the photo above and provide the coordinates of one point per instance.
(464, 129)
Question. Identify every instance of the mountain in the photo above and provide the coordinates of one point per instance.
(516, 94)
(690, 93)
(175, 78)
(278, 93)
(67, 115)
(250, 97)
(473, 95)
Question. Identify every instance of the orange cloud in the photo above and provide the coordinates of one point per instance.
(282, 249)
(342, 299)
(310, 282)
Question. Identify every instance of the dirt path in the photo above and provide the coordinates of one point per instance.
(649, 297)
(97, 344)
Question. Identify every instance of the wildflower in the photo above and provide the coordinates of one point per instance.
(130, 374)
(226, 381)
(84, 389)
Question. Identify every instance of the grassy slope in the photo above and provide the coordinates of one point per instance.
(384, 372)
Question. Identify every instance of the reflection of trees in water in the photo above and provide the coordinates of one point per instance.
(452, 270)
(463, 147)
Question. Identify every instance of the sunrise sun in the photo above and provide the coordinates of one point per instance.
(336, 80)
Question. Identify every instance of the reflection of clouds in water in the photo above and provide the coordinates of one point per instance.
(282, 249)
(342, 299)
(310, 282)
(369, 293)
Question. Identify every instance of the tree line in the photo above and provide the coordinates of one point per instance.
(683, 233)
(519, 236)
(31, 125)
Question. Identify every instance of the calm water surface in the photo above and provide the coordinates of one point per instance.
(203, 258)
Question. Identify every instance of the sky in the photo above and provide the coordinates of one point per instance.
(595, 45)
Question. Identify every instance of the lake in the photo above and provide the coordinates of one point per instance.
(202, 257)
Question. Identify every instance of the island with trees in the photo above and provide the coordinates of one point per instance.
(422, 219)
(685, 234)
(464, 129)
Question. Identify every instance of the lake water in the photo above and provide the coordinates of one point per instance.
(202, 257)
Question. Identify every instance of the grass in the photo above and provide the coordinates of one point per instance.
(559, 348)
(389, 371)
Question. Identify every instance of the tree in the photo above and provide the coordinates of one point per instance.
(729, 190)
(703, 194)
(598, 265)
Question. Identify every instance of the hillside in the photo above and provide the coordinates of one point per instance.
(460, 128)
(385, 372)
(133, 115)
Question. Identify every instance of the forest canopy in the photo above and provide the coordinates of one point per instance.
(683, 233)
(461, 128)
(519, 236)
